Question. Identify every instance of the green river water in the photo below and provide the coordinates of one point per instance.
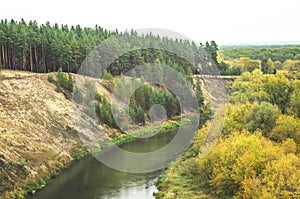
(90, 179)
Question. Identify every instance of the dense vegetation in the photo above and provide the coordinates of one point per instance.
(46, 48)
(53, 48)
(269, 59)
(140, 103)
(65, 84)
(257, 155)
(276, 53)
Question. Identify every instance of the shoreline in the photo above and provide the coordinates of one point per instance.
(147, 131)
(169, 125)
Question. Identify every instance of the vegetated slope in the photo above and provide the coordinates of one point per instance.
(257, 155)
(37, 134)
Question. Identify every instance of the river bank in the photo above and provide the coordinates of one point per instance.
(89, 178)
(147, 131)
(38, 137)
(81, 153)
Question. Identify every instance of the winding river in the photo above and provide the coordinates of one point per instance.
(90, 179)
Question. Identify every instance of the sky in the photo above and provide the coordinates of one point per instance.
(225, 21)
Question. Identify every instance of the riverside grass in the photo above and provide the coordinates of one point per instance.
(171, 124)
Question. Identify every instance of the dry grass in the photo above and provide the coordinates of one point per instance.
(34, 140)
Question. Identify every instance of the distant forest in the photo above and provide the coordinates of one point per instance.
(46, 48)
(275, 53)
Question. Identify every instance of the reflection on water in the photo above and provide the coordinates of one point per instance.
(90, 179)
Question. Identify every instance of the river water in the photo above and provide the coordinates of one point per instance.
(90, 179)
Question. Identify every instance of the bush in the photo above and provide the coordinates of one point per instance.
(63, 83)
(246, 166)
(232, 71)
(60, 80)
(262, 116)
(69, 84)
(286, 127)
(106, 75)
(51, 78)
(104, 113)
(98, 97)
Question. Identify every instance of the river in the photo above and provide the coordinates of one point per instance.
(90, 179)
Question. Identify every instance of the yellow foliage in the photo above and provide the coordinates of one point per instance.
(286, 127)
(236, 115)
(245, 64)
(282, 177)
(200, 136)
(292, 65)
(246, 165)
(295, 99)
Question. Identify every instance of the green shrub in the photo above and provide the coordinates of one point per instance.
(98, 97)
(106, 75)
(51, 78)
(63, 83)
(60, 80)
(262, 116)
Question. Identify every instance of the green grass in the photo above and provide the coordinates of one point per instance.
(172, 124)
(178, 182)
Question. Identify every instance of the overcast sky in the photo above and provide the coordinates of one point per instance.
(225, 21)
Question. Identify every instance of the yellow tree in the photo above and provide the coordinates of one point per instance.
(295, 99)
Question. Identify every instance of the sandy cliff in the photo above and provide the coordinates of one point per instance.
(37, 134)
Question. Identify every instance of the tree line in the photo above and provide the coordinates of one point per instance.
(46, 48)
(269, 59)
(275, 53)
